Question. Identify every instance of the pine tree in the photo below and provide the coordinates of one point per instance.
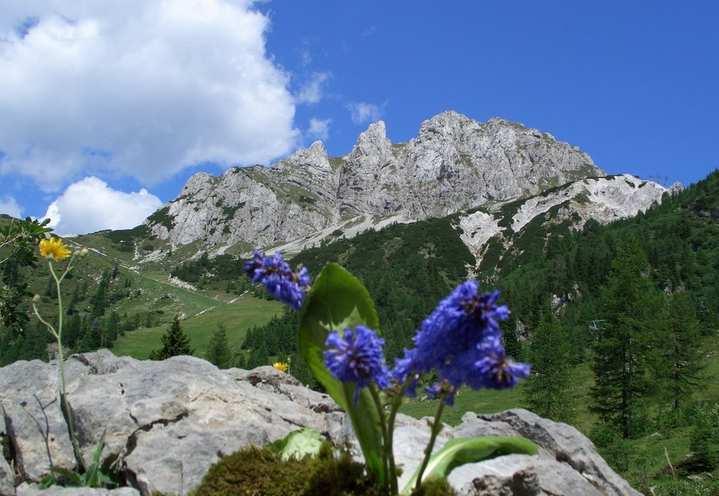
(219, 351)
(99, 301)
(73, 331)
(679, 367)
(91, 336)
(549, 390)
(622, 351)
(174, 342)
(111, 329)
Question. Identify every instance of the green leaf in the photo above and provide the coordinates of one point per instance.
(298, 444)
(470, 450)
(337, 300)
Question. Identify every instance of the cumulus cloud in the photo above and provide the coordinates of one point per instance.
(319, 128)
(139, 88)
(311, 91)
(10, 206)
(363, 112)
(91, 205)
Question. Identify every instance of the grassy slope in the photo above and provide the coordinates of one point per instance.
(237, 318)
(202, 310)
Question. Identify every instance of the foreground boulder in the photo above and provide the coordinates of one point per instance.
(165, 423)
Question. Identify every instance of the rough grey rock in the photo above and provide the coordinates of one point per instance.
(7, 478)
(167, 422)
(603, 199)
(454, 163)
(26, 489)
(566, 456)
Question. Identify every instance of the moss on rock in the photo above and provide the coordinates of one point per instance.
(261, 472)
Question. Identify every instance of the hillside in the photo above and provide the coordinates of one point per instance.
(550, 265)
(112, 302)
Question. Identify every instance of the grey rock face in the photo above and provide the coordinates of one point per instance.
(454, 163)
(26, 489)
(167, 422)
(568, 464)
(603, 199)
(7, 478)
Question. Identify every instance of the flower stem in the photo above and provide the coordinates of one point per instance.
(383, 426)
(62, 394)
(394, 409)
(436, 427)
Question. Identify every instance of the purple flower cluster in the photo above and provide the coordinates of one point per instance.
(275, 274)
(461, 342)
(356, 356)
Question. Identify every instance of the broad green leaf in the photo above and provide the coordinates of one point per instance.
(299, 444)
(470, 450)
(338, 299)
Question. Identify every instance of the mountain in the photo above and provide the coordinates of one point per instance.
(454, 163)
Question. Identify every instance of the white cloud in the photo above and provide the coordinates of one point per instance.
(136, 87)
(319, 128)
(311, 91)
(10, 206)
(363, 112)
(91, 205)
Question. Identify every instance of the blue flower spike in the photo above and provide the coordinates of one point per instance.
(356, 356)
(276, 275)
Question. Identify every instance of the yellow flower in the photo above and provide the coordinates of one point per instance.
(54, 248)
(281, 366)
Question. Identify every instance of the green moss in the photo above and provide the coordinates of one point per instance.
(435, 487)
(254, 471)
(336, 162)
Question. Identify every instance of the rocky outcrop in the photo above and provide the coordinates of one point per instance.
(603, 199)
(454, 163)
(166, 423)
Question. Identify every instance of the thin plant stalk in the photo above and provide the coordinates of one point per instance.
(436, 428)
(394, 409)
(385, 433)
(57, 334)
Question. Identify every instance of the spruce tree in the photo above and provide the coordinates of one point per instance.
(679, 366)
(99, 301)
(219, 351)
(549, 390)
(622, 351)
(174, 342)
(111, 330)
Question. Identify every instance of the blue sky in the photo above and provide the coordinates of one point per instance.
(632, 83)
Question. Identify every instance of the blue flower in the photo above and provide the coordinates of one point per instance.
(356, 356)
(496, 370)
(275, 274)
(461, 341)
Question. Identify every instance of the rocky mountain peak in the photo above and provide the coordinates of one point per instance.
(454, 163)
(313, 157)
(447, 123)
(372, 141)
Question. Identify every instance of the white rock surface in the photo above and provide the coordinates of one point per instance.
(603, 199)
(167, 422)
(476, 229)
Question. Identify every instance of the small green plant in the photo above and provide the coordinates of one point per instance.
(93, 476)
(458, 344)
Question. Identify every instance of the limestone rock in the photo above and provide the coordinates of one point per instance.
(7, 478)
(165, 423)
(32, 490)
(454, 163)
